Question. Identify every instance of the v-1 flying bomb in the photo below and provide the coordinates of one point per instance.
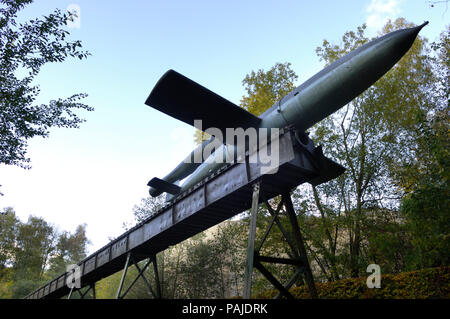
(312, 101)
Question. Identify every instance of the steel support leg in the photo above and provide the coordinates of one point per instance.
(127, 263)
(93, 291)
(145, 279)
(300, 244)
(130, 261)
(83, 294)
(251, 242)
(70, 293)
(283, 231)
(140, 274)
(295, 241)
(266, 234)
(158, 284)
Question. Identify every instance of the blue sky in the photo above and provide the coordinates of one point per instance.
(96, 174)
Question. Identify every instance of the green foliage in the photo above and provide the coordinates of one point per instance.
(23, 286)
(6, 283)
(24, 49)
(8, 233)
(31, 253)
(424, 176)
(355, 216)
(70, 249)
(34, 245)
(428, 283)
(266, 88)
(428, 221)
(107, 287)
(387, 242)
(147, 207)
(200, 271)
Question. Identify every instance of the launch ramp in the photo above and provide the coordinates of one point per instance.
(220, 196)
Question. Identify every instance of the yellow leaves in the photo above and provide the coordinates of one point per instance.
(6, 283)
(264, 88)
(6, 289)
(421, 284)
(200, 137)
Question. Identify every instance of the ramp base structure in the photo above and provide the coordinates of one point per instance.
(294, 239)
(224, 194)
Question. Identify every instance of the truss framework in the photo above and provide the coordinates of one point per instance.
(294, 240)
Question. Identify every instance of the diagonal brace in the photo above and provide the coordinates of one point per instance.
(140, 274)
(266, 273)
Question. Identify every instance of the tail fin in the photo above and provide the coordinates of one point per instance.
(159, 186)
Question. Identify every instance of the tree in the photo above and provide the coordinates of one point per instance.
(368, 136)
(424, 176)
(24, 49)
(70, 249)
(8, 233)
(34, 252)
(34, 246)
(147, 207)
(266, 88)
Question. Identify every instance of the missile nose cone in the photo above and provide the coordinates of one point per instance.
(417, 29)
(422, 25)
(404, 39)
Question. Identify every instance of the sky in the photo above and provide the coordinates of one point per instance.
(95, 175)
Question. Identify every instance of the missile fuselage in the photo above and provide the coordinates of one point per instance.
(318, 97)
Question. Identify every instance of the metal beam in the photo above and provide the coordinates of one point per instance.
(283, 230)
(145, 279)
(266, 273)
(127, 262)
(286, 197)
(93, 291)
(70, 293)
(251, 241)
(291, 281)
(83, 294)
(276, 260)
(270, 226)
(141, 273)
(298, 250)
(157, 282)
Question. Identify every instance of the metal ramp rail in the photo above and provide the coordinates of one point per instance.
(219, 197)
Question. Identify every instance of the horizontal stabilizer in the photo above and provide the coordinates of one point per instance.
(161, 186)
(186, 100)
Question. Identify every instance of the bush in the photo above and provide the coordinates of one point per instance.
(422, 284)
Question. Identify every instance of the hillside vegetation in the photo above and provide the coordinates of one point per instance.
(427, 283)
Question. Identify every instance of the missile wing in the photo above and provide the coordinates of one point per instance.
(186, 100)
